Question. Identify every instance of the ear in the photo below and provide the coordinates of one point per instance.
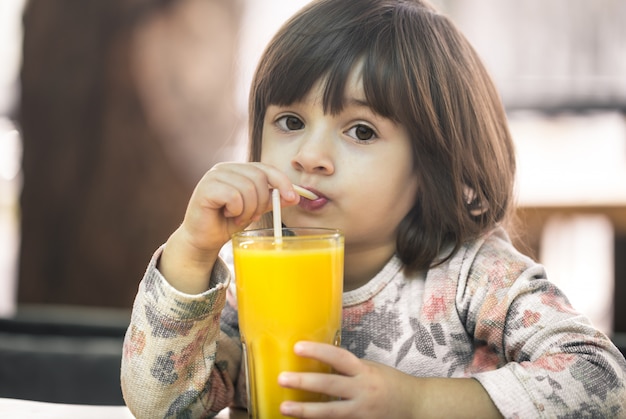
(475, 206)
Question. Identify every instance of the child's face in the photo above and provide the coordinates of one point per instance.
(359, 163)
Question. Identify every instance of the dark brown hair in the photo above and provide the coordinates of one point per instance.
(420, 71)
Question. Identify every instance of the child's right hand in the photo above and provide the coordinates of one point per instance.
(227, 199)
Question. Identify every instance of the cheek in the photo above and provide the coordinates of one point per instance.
(397, 195)
(408, 196)
(274, 153)
(268, 153)
(265, 147)
(386, 198)
(280, 161)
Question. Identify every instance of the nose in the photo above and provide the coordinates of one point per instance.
(315, 154)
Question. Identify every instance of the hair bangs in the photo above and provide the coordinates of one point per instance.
(327, 47)
(385, 89)
(314, 59)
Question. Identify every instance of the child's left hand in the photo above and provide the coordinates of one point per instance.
(366, 389)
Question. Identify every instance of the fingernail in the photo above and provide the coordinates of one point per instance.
(287, 408)
(299, 347)
(283, 378)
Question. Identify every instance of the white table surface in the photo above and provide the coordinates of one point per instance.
(18, 409)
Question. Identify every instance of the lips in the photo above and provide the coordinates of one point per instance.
(313, 205)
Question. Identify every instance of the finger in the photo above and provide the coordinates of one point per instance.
(338, 358)
(278, 180)
(223, 195)
(232, 193)
(264, 178)
(248, 196)
(253, 196)
(336, 409)
(333, 385)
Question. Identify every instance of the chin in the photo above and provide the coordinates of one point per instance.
(308, 222)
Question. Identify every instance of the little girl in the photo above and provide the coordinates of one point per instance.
(383, 109)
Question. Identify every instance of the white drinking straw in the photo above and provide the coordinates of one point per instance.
(278, 226)
(305, 192)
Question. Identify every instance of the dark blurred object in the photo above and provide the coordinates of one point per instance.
(124, 104)
(73, 355)
(62, 355)
(620, 286)
(620, 341)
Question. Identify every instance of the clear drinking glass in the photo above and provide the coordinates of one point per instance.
(287, 290)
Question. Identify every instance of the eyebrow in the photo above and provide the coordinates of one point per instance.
(357, 102)
(362, 103)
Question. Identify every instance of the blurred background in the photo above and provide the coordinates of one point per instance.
(111, 111)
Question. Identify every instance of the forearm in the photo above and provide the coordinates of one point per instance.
(170, 347)
(186, 268)
(154, 382)
(451, 398)
(369, 389)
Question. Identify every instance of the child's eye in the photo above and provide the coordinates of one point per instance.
(290, 123)
(361, 132)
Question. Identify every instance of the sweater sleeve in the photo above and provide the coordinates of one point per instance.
(533, 353)
(177, 360)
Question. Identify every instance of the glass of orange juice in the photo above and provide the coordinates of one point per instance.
(287, 290)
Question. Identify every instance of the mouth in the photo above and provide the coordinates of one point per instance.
(313, 204)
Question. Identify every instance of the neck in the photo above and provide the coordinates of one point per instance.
(361, 265)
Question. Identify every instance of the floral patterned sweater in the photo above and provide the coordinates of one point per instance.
(488, 312)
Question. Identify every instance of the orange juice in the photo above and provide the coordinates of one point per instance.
(286, 293)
